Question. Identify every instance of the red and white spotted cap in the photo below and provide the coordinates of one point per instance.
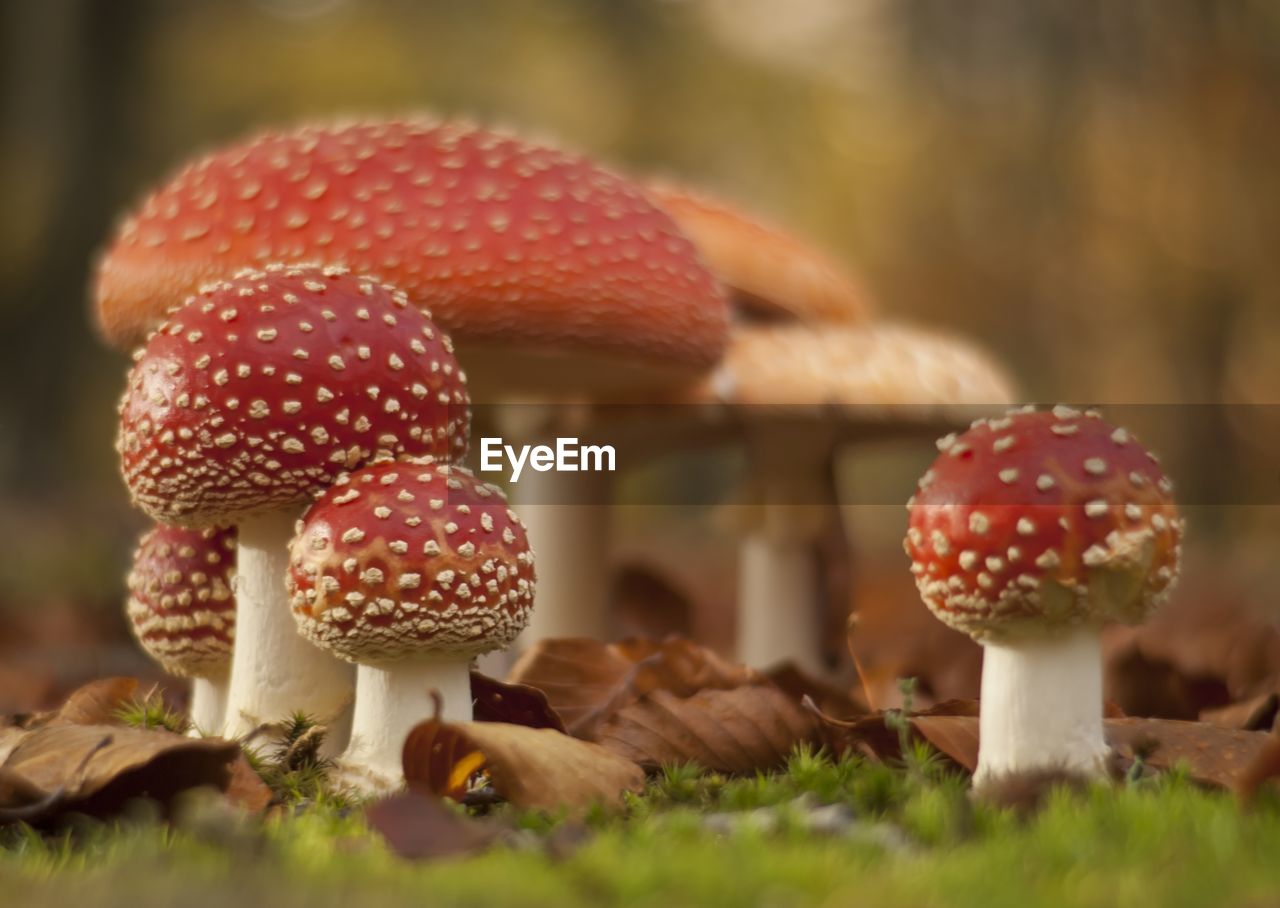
(1043, 518)
(510, 244)
(180, 603)
(261, 390)
(411, 557)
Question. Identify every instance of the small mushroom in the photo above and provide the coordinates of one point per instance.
(409, 569)
(1029, 533)
(253, 396)
(182, 611)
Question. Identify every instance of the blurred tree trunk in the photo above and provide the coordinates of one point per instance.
(70, 83)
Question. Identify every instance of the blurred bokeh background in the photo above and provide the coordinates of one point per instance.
(1089, 188)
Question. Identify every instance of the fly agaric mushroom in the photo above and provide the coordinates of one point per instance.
(255, 395)
(409, 569)
(182, 611)
(768, 272)
(550, 271)
(1029, 533)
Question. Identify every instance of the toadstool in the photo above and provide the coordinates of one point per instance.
(409, 569)
(550, 271)
(181, 609)
(1030, 532)
(252, 397)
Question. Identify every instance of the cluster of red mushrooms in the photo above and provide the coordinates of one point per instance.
(297, 414)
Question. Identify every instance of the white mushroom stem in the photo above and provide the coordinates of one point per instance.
(208, 705)
(1042, 706)
(274, 671)
(567, 518)
(390, 700)
(780, 587)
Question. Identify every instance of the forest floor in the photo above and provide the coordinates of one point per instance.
(821, 833)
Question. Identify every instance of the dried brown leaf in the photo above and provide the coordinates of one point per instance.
(951, 727)
(515, 704)
(537, 768)
(418, 826)
(1213, 755)
(1252, 714)
(96, 703)
(743, 730)
(96, 769)
(586, 681)
(1214, 644)
(832, 700)
(1263, 768)
(245, 788)
(891, 634)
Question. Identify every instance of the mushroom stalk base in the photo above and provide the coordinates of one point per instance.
(390, 700)
(777, 621)
(567, 518)
(208, 705)
(1042, 707)
(275, 672)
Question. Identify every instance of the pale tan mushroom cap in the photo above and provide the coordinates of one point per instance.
(912, 372)
(767, 270)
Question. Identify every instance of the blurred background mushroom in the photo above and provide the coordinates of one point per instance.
(1085, 188)
(797, 395)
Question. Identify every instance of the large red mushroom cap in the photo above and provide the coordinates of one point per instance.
(507, 242)
(180, 604)
(411, 557)
(262, 389)
(1043, 519)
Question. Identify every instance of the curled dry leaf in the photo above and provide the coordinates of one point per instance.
(829, 698)
(743, 730)
(891, 634)
(96, 703)
(96, 769)
(586, 681)
(1212, 754)
(951, 727)
(537, 768)
(515, 704)
(1258, 713)
(1212, 645)
(1263, 768)
(418, 826)
(245, 788)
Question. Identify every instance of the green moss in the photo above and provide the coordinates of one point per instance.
(916, 839)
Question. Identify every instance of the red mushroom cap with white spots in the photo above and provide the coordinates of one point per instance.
(261, 390)
(1043, 518)
(506, 241)
(411, 557)
(180, 603)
